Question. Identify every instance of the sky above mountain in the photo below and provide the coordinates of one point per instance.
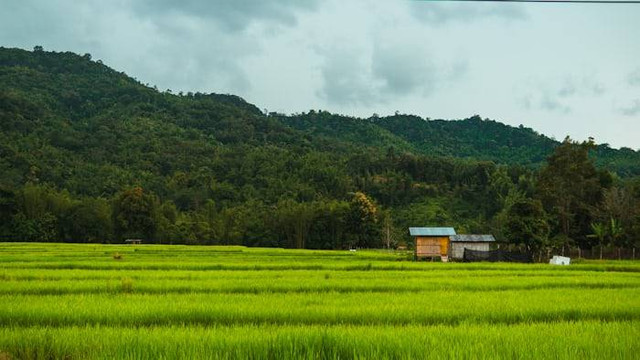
(562, 69)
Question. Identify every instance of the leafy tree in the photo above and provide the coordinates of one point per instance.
(42, 209)
(571, 188)
(618, 205)
(166, 218)
(295, 219)
(88, 220)
(7, 211)
(134, 214)
(41, 229)
(328, 228)
(527, 224)
(362, 222)
(231, 228)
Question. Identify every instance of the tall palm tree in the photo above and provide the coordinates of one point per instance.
(616, 231)
(600, 233)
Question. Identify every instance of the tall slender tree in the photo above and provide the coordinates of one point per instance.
(570, 188)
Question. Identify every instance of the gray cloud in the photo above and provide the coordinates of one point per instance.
(346, 80)
(383, 74)
(402, 71)
(555, 97)
(216, 37)
(634, 78)
(632, 110)
(550, 104)
(525, 102)
(437, 14)
(233, 15)
(567, 90)
(205, 69)
(585, 86)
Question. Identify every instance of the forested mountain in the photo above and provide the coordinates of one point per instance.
(472, 138)
(90, 154)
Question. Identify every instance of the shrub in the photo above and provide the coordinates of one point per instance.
(127, 285)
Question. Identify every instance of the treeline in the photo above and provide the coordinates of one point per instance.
(40, 213)
(568, 202)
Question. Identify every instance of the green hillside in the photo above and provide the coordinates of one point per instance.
(81, 145)
(472, 138)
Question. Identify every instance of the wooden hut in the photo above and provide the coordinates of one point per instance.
(432, 241)
(472, 242)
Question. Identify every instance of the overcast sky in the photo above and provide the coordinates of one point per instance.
(562, 69)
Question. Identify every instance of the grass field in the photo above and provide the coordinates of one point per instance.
(152, 302)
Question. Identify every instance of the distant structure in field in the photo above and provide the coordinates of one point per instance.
(443, 242)
(471, 242)
(432, 241)
(133, 241)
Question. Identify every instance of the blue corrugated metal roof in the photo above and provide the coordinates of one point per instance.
(431, 231)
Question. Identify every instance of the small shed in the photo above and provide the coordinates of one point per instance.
(133, 241)
(471, 242)
(432, 241)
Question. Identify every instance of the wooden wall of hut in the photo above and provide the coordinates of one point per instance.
(429, 246)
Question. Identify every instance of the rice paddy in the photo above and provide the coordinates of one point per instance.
(72, 301)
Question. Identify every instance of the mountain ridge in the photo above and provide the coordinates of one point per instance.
(68, 63)
(62, 96)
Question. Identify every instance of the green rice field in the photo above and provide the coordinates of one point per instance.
(72, 301)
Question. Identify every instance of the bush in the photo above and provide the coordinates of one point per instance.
(127, 285)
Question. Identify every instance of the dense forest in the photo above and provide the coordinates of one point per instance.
(88, 154)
